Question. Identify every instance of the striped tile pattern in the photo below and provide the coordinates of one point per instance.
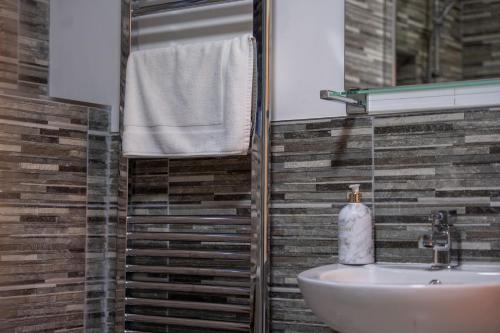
(451, 47)
(412, 42)
(72, 146)
(421, 162)
(368, 43)
(312, 165)
(148, 188)
(470, 41)
(43, 196)
(202, 186)
(413, 27)
(439, 161)
(24, 47)
(94, 181)
(212, 186)
(9, 17)
(481, 38)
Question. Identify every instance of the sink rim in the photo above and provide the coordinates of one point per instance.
(313, 275)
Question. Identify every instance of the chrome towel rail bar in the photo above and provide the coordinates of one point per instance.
(140, 8)
(188, 271)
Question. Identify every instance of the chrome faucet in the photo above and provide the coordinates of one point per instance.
(440, 240)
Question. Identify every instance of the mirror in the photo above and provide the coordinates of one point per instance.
(446, 40)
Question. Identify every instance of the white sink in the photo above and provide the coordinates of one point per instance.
(397, 298)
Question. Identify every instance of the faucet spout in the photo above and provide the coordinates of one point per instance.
(439, 239)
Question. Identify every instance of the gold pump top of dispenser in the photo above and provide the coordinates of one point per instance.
(354, 196)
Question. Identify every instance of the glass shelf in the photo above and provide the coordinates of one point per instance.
(356, 100)
(417, 87)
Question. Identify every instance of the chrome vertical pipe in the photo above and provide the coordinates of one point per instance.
(260, 258)
(266, 268)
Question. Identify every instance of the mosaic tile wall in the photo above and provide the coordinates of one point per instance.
(481, 38)
(451, 47)
(412, 41)
(407, 165)
(43, 201)
(313, 162)
(65, 158)
(469, 44)
(470, 41)
(413, 32)
(24, 47)
(369, 54)
(204, 186)
(445, 161)
(50, 132)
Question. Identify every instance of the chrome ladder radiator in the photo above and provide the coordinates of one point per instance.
(188, 274)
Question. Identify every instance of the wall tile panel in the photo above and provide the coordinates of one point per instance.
(481, 39)
(424, 164)
(43, 197)
(313, 163)
(420, 162)
(24, 50)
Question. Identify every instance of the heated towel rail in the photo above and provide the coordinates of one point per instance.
(188, 271)
(205, 273)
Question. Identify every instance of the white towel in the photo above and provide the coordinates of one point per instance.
(190, 100)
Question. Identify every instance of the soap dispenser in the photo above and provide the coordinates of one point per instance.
(355, 231)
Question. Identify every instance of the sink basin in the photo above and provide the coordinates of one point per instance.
(398, 298)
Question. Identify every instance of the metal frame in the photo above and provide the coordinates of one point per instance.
(355, 103)
(260, 150)
(261, 181)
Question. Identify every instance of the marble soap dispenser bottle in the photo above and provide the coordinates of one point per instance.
(355, 231)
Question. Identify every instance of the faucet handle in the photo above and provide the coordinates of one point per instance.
(443, 218)
(437, 217)
(427, 241)
(452, 217)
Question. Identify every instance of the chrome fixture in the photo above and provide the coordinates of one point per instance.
(438, 20)
(260, 252)
(355, 103)
(435, 282)
(439, 239)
